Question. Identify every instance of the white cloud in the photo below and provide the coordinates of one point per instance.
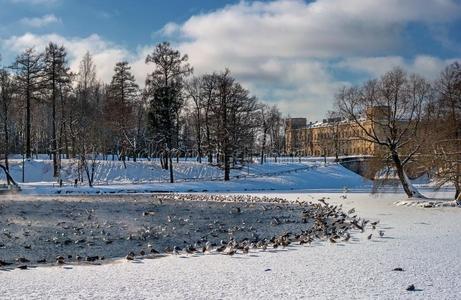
(373, 66)
(170, 29)
(324, 28)
(284, 49)
(429, 66)
(105, 54)
(40, 21)
(425, 65)
(35, 2)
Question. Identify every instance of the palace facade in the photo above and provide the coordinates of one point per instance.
(331, 137)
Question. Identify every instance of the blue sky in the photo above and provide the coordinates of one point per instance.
(129, 23)
(292, 53)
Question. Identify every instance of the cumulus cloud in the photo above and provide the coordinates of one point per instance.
(35, 2)
(325, 28)
(105, 53)
(170, 29)
(425, 65)
(40, 21)
(284, 49)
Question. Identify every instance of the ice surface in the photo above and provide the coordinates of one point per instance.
(424, 242)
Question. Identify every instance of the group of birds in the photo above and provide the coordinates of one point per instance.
(95, 229)
(326, 222)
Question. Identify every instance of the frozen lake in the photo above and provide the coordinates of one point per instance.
(36, 230)
(422, 241)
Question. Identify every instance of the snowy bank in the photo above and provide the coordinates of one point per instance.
(320, 178)
(143, 171)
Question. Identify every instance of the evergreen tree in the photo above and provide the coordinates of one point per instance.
(121, 107)
(28, 67)
(55, 72)
(164, 87)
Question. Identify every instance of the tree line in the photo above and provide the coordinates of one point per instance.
(47, 108)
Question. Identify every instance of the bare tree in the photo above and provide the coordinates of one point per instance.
(6, 97)
(334, 143)
(275, 130)
(209, 87)
(87, 88)
(195, 93)
(444, 149)
(387, 112)
(233, 114)
(88, 156)
(264, 121)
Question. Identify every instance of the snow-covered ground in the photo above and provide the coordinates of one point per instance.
(423, 241)
(143, 171)
(145, 177)
(333, 177)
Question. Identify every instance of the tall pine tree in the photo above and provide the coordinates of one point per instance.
(164, 87)
(120, 109)
(28, 67)
(55, 72)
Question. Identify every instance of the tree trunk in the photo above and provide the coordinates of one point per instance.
(400, 173)
(199, 154)
(208, 139)
(93, 164)
(124, 160)
(404, 180)
(28, 96)
(54, 136)
(66, 142)
(165, 161)
(64, 126)
(171, 168)
(457, 192)
(226, 167)
(7, 142)
(87, 171)
(199, 136)
(7, 145)
(263, 146)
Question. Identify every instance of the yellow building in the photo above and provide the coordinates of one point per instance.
(330, 137)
